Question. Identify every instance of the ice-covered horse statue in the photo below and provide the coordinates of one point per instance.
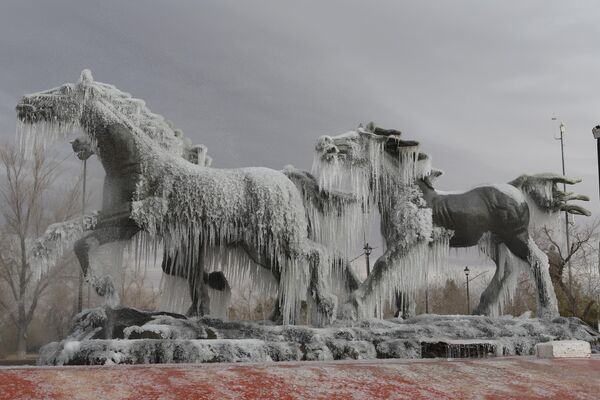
(198, 279)
(380, 169)
(496, 217)
(150, 188)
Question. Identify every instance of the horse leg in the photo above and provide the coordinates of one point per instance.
(405, 307)
(98, 237)
(198, 289)
(525, 248)
(489, 302)
(265, 261)
(361, 303)
(354, 308)
(215, 280)
(325, 302)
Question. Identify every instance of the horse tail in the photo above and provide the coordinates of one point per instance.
(546, 199)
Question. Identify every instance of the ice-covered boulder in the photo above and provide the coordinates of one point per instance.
(125, 335)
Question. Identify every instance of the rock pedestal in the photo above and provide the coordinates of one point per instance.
(129, 336)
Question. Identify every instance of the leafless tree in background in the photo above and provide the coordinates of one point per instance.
(27, 209)
(583, 257)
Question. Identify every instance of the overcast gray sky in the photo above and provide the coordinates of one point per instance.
(476, 82)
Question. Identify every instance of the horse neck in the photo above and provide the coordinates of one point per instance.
(116, 145)
(429, 193)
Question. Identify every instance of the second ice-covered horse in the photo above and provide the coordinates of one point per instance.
(497, 218)
(393, 173)
(150, 187)
(379, 170)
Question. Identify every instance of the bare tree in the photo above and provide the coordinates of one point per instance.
(27, 209)
(582, 255)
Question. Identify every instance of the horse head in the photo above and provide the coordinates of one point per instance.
(93, 106)
(375, 151)
(55, 111)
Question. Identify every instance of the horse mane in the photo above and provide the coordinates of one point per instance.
(136, 114)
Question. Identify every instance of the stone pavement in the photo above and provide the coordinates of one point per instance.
(504, 377)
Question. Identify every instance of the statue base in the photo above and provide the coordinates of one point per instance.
(129, 336)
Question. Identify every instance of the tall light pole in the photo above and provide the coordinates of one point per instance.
(596, 133)
(468, 299)
(83, 149)
(562, 129)
(368, 250)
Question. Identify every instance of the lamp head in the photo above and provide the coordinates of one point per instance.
(596, 132)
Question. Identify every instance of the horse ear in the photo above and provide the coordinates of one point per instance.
(86, 77)
(386, 132)
(394, 143)
(435, 173)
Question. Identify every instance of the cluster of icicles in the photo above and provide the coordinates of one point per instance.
(379, 183)
(376, 182)
(510, 268)
(341, 230)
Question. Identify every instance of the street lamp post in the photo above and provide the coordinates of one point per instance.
(83, 150)
(468, 299)
(562, 129)
(596, 133)
(368, 250)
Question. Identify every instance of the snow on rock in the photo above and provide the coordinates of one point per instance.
(102, 336)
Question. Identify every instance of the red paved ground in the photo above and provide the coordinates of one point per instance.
(510, 377)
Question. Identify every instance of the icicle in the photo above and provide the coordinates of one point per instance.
(509, 268)
(188, 205)
(407, 163)
(406, 275)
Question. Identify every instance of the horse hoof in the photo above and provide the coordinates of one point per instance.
(327, 309)
(276, 317)
(545, 313)
(104, 287)
(348, 311)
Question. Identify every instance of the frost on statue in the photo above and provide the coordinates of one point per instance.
(160, 190)
(127, 336)
(152, 191)
(418, 223)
